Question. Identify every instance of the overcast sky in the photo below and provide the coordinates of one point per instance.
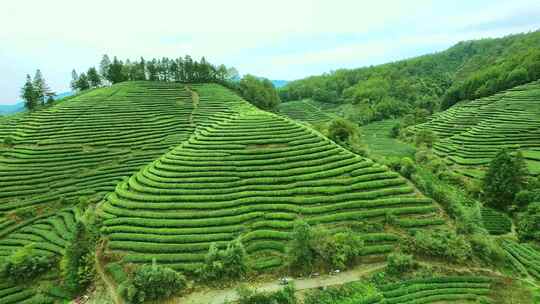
(279, 39)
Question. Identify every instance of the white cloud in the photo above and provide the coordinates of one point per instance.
(278, 39)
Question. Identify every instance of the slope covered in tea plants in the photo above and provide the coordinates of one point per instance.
(85, 146)
(306, 110)
(472, 132)
(251, 174)
(182, 168)
(78, 150)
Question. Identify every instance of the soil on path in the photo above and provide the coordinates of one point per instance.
(220, 296)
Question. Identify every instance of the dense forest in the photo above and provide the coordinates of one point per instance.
(468, 70)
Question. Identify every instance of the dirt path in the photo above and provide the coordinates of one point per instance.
(194, 101)
(109, 284)
(220, 296)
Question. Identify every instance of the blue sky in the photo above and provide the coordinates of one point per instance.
(276, 39)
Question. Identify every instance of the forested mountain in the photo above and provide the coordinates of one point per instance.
(468, 70)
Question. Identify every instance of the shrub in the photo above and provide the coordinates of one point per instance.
(525, 197)
(299, 252)
(26, 264)
(407, 167)
(423, 156)
(152, 282)
(528, 227)
(425, 137)
(394, 132)
(309, 246)
(355, 292)
(9, 141)
(399, 263)
(286, 295)
(486, 249)
(229, 264)
(440, 243)
(336, 250)
(346, 134)
(505, 177)
(260, 92)
(77, 263)
(437, 166)
(470, 219)
(452, 178)
(393, 162)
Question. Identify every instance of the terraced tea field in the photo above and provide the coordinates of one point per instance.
(456, 289)
(306, 110)
(236, 176)
(524, 257)
(496, 222)
(181, 168)
(472, 132)
(377, 137)
(82, 148)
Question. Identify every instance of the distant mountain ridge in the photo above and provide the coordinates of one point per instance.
(279, 83)
(19, 105)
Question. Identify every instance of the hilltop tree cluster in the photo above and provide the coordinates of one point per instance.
(259, 91)
(182, 69)
(36, 92)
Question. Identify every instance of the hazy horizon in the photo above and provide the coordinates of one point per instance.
(282, 41)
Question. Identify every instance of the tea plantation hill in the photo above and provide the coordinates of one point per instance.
(181, 170)
(81, 147)
(251, 174)
(472, 132)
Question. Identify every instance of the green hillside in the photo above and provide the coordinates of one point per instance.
(87, 145)
(471, 133)
(180, 169)
(235, 176)
(465, 71)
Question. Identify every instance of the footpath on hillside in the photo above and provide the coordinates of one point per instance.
(222, 295)
(195, 101)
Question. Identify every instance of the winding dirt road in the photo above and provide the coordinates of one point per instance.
(220, 296)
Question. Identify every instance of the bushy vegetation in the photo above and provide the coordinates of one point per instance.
(77, 263)
(226, 265)
(441, 243)
(505, 177)
(345, 133)
(286, 295)
(399, 263)
(152, 282)
(528, 228)
(310, 248)
(26, 264)
(260, 92)
(487, 250)
(359, 292)
(433, 180)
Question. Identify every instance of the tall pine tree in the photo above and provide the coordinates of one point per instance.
(40, 87)
(93, 77)
(82, 82)
(28, 93)
(104, 66)
(74, 79)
